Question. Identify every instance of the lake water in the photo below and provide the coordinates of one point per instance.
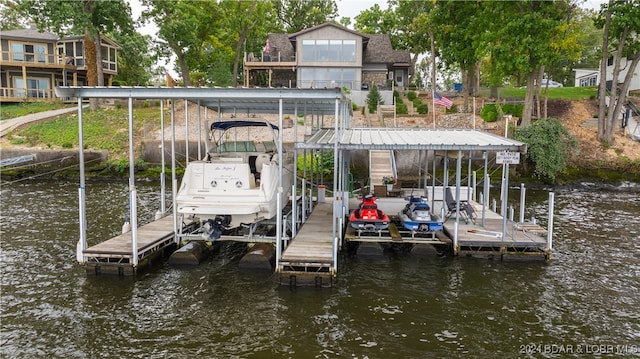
(583, 302)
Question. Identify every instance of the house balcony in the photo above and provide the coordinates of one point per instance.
(11, 94)
(262, 61)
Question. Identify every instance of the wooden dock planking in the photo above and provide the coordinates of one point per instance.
(149, 236)
(314, 241)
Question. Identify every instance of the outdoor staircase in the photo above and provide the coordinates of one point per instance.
(380, 165)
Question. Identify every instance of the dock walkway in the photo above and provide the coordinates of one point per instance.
(115, 255)
(308, 259)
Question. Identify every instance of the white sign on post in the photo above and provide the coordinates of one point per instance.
(508, 158)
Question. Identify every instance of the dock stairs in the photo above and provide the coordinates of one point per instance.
(381, 164)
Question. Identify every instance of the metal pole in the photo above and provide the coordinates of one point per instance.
(132, 191)
(426, 173)
(550, 229)
(82, 240)
(505, 197)
(469, 178)
(280, 190)
(199, 132)
(523, 191)
(174, 179)
(186, 132)
(163, 199)
(487, 180)
(456, 225)
(336, 200)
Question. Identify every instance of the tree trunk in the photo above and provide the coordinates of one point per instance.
(90, 64)
(99, 70)
(241, 40)
(528, 100)
(184, 68)
(614, 104)
(602, 88)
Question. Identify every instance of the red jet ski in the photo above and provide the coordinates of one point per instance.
(367, 217)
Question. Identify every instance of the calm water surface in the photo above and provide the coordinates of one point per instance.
(584, 302)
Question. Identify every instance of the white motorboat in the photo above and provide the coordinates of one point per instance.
(237, 182)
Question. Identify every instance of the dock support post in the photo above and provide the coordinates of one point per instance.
(186, 132)
(163, 199)
(457, 224)
(487, 182)
(280, 189)
(132, 191)
(523, 190)
(174, 178)
(82, 240)
(505, 198)
(550, 225)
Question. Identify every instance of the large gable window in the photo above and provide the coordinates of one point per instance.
(329, 50)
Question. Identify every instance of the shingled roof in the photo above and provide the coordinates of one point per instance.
(377, 47)
(29, 34)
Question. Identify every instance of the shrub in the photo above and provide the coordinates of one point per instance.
(416, 102)
(514, 109)
(374, 99)
(489, 113)
(422, 108)
(401, 108)
(354, 106)
(548, 146)
(411, 95)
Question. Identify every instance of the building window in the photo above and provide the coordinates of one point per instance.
(329, 50)
(327, 77)
(36, 88)
(28, 52)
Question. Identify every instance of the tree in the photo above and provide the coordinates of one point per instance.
(374, 99)
(297, 15)
(184, 26)
(89, 17)
(134, 61)
(620, 21)
(10, 16)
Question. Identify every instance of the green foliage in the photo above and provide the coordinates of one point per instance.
(489, 113)
(548, 146)
(514, 109)
(354, 106)
(374, 99)
(416, 102)
(411, 95)
(297, 15)
(322, 163)
(423, 109)
(401, 108)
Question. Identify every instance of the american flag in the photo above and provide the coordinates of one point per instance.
(441, 100)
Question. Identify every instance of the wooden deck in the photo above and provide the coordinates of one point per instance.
(308, 259)
(115, 255)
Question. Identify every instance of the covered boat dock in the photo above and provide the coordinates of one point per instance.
(295, 262)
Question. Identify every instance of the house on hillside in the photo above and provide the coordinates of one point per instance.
(591, 77)
(33, 63)
(327, 56)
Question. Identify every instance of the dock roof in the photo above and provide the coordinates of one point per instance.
(412, 139)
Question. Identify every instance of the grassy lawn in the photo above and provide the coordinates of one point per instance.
(103, 130)
(556, 93)
(12, 110)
